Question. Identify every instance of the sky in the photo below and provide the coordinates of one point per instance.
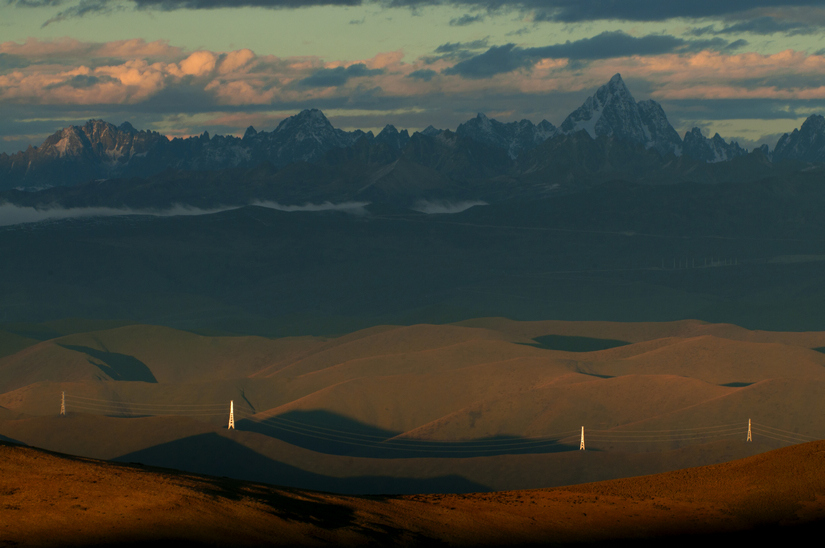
(749, 70)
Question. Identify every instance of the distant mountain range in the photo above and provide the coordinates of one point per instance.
(611, 136)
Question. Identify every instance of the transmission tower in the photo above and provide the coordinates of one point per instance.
(63, 403)
(581, 445)
(231, 415)
(749, 431)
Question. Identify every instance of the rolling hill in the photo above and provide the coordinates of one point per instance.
(486, 404)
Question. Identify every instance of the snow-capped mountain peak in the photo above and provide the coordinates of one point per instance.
(613, 112)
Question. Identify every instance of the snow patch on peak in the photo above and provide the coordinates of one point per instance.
(712, 150)
(62, 145)
(515, 137)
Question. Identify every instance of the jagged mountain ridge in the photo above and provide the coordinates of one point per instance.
(445, 167)
(712, 150)
(806, 144)
(99, 150)
(515, 137)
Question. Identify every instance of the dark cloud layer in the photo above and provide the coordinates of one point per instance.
(423, 74)
(466, 19)
(544, 10)
(572, 11)
(495, 60)
(168, 5)
(82, 81)
(338, 76)
(607, 45)
(34, 3)
(85, 7)
(453, 47)
(732, 109)
(9, 62)
(760, 25)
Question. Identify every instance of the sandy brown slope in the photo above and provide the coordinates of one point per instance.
(51, 500)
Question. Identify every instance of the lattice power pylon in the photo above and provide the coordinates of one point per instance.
(63, 403)
(749, 431)
(581, 445)
(231, 415)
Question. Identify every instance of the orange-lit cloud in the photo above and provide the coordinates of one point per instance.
(132, 72)
(66, 49)
(242, 78)
(236, 60)
(199, 63)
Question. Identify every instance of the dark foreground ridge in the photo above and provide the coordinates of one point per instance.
(51, 499)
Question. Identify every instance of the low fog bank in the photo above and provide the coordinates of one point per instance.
(11, 214)
(440, 207)
(356, 208)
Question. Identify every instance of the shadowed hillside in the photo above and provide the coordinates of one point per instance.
(748, 254)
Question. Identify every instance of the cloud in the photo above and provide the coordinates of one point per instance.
(82, 81)
(576, 11)
(609, 44)
(128, 83)
(519, 32)
(760, 25)
(34, 3)
(707, 110)
(569, 11)
(736, 45)
(199, 63)
(169, 5)
(236, 60)
(453, 51)
(495, 60)
(71, 51)
(453, 47)
(83, 8)
(9, 62)
(86, 7)
(423, 74)
(465, 20)
(338, 76)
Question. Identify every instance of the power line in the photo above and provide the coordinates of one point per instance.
(395, 443)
